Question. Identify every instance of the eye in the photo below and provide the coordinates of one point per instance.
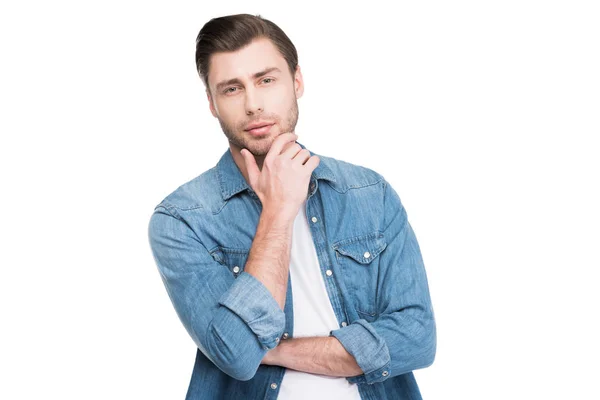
(268, 79)
(227, 90)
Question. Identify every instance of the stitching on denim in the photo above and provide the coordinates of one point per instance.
(373, 235)
(366, 312)
(234, 250)
(355, 186)
(170, 206)
(379, 238)
(190, 208)
(170, 209)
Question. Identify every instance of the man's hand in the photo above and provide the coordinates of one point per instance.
(282, 183)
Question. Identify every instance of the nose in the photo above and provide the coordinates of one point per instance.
(253, 103)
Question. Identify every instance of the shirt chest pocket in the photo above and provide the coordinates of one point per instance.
(358, 258)
(232, 259)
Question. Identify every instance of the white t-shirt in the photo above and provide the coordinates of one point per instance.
(313, 316)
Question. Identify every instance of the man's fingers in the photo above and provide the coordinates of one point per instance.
(279, 142)
(312, 163)
(251, 167)
(291, 150)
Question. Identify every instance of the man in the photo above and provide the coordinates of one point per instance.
(297, 276)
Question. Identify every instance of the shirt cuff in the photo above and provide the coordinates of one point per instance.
(368, 349)
(250, 299)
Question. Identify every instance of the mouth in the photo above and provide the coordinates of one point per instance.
(261, 130)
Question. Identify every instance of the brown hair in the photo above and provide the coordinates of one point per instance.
(232, 32)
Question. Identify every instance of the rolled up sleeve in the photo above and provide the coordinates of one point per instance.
(368, 348)
(403, 337)
(233, 321)
(251, 301)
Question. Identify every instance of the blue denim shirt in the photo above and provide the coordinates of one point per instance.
(201, 235)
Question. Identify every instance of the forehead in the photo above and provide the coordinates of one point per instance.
(243, 63)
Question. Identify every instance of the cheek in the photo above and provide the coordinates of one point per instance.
(228, 110)
(280, 99)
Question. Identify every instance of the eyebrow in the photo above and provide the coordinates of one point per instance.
(257, 75)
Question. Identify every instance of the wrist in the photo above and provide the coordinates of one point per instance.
(272, 356)
(277, 218)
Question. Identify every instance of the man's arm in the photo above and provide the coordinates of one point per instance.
(233, 321)
(322, 355)
(402, 339)
(269, 258)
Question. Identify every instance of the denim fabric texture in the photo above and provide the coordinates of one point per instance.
(201, 235)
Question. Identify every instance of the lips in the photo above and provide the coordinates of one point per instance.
(261, 130)
(258, 124)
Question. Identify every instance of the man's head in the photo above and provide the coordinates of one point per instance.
(250, 70)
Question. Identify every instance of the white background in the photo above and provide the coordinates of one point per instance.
(484, 116)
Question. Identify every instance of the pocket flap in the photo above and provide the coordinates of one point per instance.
(364, 248)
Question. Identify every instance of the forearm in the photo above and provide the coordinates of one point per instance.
(269, 256)
(235, 321)
(317, 355)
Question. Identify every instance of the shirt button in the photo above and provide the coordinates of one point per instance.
(384, 373)
(273, 385)
(314, 219)
(328, 272)
(367, 254)
(285, 335)
(344, 323)
(265, 347)
(236, 269)
(277, 339)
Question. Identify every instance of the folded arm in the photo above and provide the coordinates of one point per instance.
(403, 337)
(233, 321)
(322, 355)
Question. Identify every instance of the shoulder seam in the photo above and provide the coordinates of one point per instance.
(169, 208)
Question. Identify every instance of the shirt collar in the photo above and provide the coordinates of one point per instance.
(232, 181)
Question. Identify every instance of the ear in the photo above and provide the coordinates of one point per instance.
(298, 82)
(210, 104)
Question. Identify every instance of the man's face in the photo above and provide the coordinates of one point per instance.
(270, 97)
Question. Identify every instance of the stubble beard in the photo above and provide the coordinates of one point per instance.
(259, 146)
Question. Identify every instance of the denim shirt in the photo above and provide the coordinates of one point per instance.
(370, 261)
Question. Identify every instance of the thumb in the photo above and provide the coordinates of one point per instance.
(251, 167)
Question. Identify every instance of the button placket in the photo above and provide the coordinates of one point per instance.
(320, 240)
